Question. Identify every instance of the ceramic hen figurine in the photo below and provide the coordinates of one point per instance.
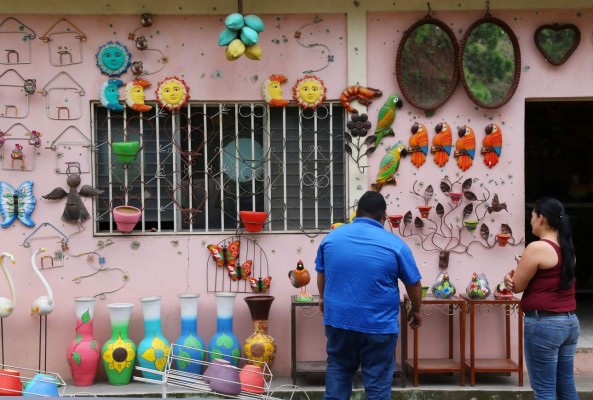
(299, 276)
(478, 288)
(442, 287)
(74, 211)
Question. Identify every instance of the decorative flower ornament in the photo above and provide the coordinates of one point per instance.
(113, 58)
(172, 93)
(359, 125)
(309, 92)
(135, 95)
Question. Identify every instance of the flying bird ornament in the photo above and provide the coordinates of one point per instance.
(389, 166)
(74, 210)
(385, 120)
(492, 145)
(465, 147)
(442, 143)
(418, 144)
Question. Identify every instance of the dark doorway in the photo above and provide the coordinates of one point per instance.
(559, 163)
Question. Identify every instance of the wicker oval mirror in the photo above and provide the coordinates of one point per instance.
(426, 65)
(490, 62)
(557, 42)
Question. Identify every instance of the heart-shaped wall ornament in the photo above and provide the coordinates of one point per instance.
(557, 42)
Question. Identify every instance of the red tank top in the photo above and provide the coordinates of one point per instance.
(543, 291)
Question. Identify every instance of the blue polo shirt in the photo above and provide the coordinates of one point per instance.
(362, 263)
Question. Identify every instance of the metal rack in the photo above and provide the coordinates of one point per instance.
(27, 375)
(195, 382)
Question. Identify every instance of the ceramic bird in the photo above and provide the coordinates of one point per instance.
(299, 276)
(496, 205)
(74, 211)
(442, 287)
(492, 145)
(442, 143)
(465, 147)
(418, 144)
(478, 288)
(389, 166)
(502, 292)
(385, 120)
(7, 305)
(43, 305)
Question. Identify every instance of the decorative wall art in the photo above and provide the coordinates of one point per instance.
(54, 248)
(64, 42)
(557, 42)
(16, 90)
(389, 166)
(141, 44)
(63, 97)
(442, 143)
(359, 126)
(109, 94)
(73, 151)
(113, 58)
(418, 144)
(271, 90)
(309, 92)
(360, 93)
(492, 145)
(19, 147)
(15, 41)
(135, 95)
(385, 119)
(172, 93)
(465, 147)
(298, 35)
(241, 35)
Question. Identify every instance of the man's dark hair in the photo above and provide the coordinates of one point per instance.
(371, 205)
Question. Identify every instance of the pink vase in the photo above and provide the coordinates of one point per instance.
(84, 352)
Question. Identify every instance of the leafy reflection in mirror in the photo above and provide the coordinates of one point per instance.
(490, 60)
(426, 65)
(557, 42)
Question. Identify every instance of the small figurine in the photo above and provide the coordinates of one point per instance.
(492, 145)
(441, 143)
(418, 144)
(502, 292)
(385, 120)
(29, 86)
(35, 139)
(17, 155)
(3, 138)
(360, 93)
(389, 166)
(478, 288)
(74, 211)
(442, 288)
(465, 147)
(17, 203)
(299, 276)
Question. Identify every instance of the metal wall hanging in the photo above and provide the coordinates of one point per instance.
(141, 44)
(18, 150)
(359, 126)
(17, 91)
(298, 35)
(113, 58)
(53, 242)
(557, 42)
(15, 42)
(64, 42)
(17, 203)
(63, 97)
(73, 150)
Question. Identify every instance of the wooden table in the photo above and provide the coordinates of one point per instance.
(440, 365)
(506, 364)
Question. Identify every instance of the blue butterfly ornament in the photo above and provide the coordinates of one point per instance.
(18, 203)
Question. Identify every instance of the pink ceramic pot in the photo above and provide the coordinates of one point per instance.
(126, 218)
(252, 379)
(10, 383)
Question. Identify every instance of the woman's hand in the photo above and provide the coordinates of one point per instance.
(508, 279)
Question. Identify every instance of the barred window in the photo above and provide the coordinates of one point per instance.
(195, 169)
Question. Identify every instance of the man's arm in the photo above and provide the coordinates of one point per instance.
(415, 294)
(320, 287)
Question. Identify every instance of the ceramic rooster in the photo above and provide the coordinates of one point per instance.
(74, 211)
(385, 120)
(300, 278)
(465, 147)
(442, 143)
(389, 166)
(418, 144)
(478, 288)
(492, 145)
(442, 287)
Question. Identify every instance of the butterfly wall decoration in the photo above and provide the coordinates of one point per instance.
(18, 203)
(260, 285)
(225, 255)
(240, 272)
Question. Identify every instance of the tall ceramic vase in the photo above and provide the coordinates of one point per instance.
(260, 346)
(189, 339)
(119, 352)
(224, 343)
(83, 352)
(153, 350)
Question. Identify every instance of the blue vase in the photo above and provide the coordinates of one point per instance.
(153, 350)
(191, 346)
(224, 344)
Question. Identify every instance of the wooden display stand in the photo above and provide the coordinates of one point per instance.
(447, 365)
(507, 364)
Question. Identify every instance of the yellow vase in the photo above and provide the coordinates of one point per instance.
(260, 346)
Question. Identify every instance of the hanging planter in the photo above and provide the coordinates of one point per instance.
(253, 220)
(126, 218)
(471, 224)
(126, 152)
(455, 197)
(395, 220)
(502, 238)
(424, 211)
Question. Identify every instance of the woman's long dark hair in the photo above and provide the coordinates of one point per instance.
(553, 210)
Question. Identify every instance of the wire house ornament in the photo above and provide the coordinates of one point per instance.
(15, 42)
(16, 91)
(18, 151)
(54, 242)
(64, 42)
(63, 100)
(73, 150)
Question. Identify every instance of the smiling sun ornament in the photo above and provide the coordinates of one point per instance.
(172, 93)
(309, 92)
(272, 91)
(113, 58)
(135, 95)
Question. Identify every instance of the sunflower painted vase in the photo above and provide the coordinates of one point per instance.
(83, 352)
(260, 346)
(119, 352)
(191, 346)
(153, 350)
(224, 344)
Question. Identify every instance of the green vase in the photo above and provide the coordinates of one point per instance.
(119, 352)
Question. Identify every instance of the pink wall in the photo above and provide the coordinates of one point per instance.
(160, 267)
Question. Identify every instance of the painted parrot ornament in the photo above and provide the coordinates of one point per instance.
(442, 143)
(492, 145)
(74, 211)
(465, 147)
(418, 144)
(389, 166)
(384, 121)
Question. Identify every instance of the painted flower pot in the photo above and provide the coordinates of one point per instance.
(119, 352)
(126, 152)
(502, 239)
(225, 379)
(424, 211)
(253, 220)
(252, 379)
(10, 382)
(395, 220)
(260, 347)
(41, 385)
(471, 224)
(455, 197)
(83, 353)
(126, 218)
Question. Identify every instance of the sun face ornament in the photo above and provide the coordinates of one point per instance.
(272, 91)
(309, 92)
(113, 58)
(172, 93)
(135, 95)
(109, 94)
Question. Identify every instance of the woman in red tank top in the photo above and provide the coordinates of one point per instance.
(546, 276)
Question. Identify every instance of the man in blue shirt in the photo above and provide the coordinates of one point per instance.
(358, 267)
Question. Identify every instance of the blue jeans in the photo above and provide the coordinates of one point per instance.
(550, 344)
(349, 350)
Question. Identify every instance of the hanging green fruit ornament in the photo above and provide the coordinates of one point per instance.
(241, 35)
